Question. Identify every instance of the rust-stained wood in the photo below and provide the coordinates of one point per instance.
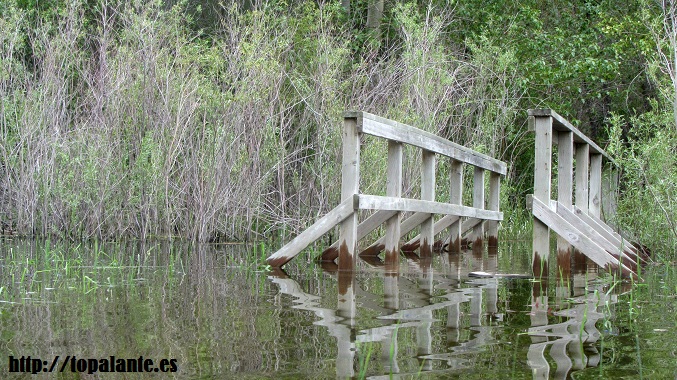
(394, 191)
(542, 188)
(577, 238)
(390, 207)
(427, 194)
(597, 237)
(312, 233)
(376, 202)
(478, 202)
(363, 229)
(405, 227)
(392, 130)
(438, 227)
(565, 187)
(350, 182)
(494, 203)
(456, 198)
(465, 226)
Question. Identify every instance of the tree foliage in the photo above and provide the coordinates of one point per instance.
(136, 119)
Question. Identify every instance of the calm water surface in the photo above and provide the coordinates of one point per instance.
(221, 314)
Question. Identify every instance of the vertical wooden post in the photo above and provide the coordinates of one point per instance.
(609, 194)
(582, 175)
(542, 185)
(350, 181)
(427, 194)
(478, 202)
(393, 189)
(565, 174)
(455, 197)
(582, 178)
(494, 203)
(595, 200)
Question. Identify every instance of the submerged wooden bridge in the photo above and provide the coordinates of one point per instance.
(578, 224)
(388, 209)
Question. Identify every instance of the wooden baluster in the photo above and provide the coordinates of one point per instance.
(494, 203)
(477, 235)
(427, 194)
(350, 182)
(455, 197)
(565, 173)
(595, 194)
(393, 189)
(542, 192)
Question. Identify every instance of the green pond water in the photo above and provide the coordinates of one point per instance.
(218, 313)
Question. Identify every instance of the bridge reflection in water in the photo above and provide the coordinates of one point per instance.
(421, 300)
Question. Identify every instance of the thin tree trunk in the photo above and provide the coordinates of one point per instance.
(374, 17)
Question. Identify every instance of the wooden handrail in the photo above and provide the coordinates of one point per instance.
(389, 209)
(406, 134)
(573, 229)
(562, 124)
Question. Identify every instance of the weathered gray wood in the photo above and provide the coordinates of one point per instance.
(376, 202)
(575, 237)
(561, 124)
(390, 207)
(542, 191)
(621, 258)
(367, 226)
(494, 204)
(611, 235)
(394, 190)
(582, 175)
(455, 197)
(350, 182)
(595, 200)
(392, 130)
(565, 188)
(478, 201)
(314, 232)
(610, 192)
(565, 168)
(466, 225)
(439, 226)
(470, 223)
(406, 226)
(427, 194)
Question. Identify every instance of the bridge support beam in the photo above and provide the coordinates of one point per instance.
(456, 198)
(393, 189)
(427, 194)
(542, 192)
(350, 182)
(494, 203)
(565, 174)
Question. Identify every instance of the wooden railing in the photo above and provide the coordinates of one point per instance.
(576, 221)
(389, 208)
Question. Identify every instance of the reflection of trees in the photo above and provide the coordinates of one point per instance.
(200, 304)
(209, 309)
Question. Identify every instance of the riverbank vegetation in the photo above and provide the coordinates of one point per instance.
(213, 123)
